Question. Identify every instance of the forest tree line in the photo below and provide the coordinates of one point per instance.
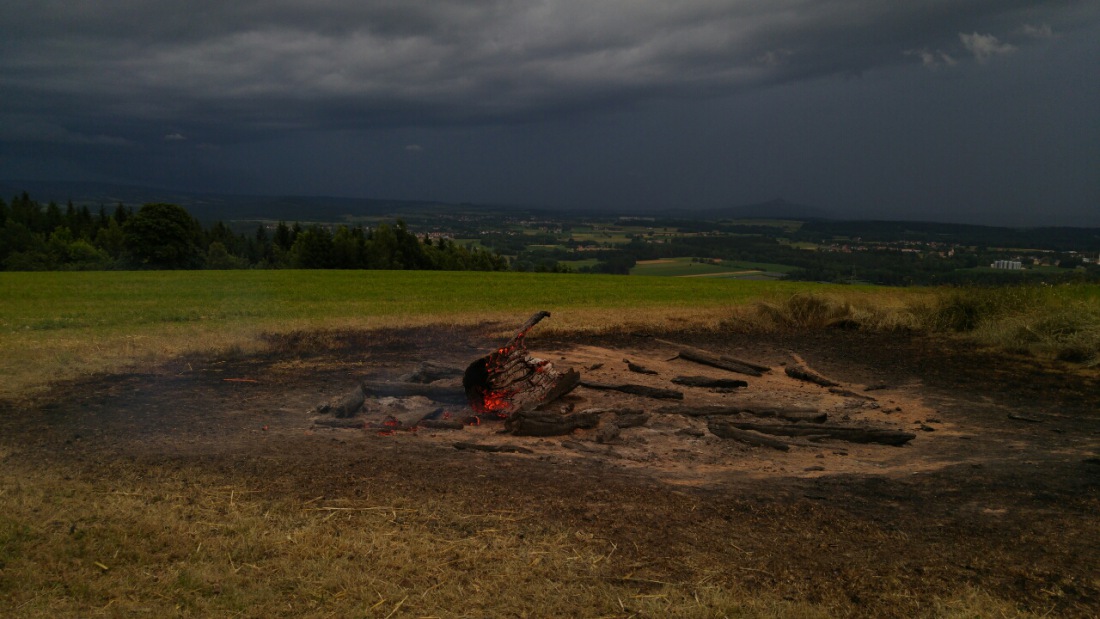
(34, 237)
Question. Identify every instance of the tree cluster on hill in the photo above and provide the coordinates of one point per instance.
(34, 237)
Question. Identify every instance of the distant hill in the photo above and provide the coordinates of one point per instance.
(772, 209)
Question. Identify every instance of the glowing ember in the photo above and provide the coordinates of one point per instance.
(509, 379)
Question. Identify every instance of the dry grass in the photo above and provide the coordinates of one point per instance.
(185, 543)
(1060, 323)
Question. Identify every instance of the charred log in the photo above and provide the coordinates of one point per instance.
(710, 383)
(789, 414)
(722, 429)
(535, 423)
(850, 394)
(442, 424)
(851, 434)
(639, 369)
(340, 422)
(809, 376)
(642, 390)
(724, 363)
(491, 448)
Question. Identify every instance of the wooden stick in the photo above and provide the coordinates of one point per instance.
(642, 390)
(724, 430)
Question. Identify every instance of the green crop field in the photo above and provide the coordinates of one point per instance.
(60, 324)
(684, 266)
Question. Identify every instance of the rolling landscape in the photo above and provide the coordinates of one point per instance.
(617, 310)
(202, 393)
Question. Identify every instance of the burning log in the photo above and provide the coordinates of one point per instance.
(510, 380)
(642, 390)
(809, 376)
(709, 383)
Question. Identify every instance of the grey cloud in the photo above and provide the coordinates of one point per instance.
(300, 64)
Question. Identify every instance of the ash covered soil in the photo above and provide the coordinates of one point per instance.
(999, 490)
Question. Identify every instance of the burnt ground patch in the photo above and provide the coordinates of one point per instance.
(985, 499)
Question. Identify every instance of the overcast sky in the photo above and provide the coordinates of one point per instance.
(984, 111)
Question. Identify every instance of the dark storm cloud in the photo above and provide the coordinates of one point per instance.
(262, 66)
(931, 106)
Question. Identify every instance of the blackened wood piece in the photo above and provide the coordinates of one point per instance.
(734, 360)
(638, 369)
(724, 430)
(851, 434)
(790, 414)
(462, 445)
(810, 377)
(850, 394)
(642, 390)
(710, 383)
(705, 358)
(339, 423)
(535, 423)
(442, 424)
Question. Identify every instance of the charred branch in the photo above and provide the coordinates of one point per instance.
(442, 424)
(534, 423)
(789, 414)
(639, 369)
(809, 376)
(642, 390)
(851, 434)
(723, 429)
(710, 383)
(335, 422)
(463, 445)
(724, 363)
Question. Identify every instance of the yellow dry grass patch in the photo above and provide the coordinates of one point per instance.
(185, 543)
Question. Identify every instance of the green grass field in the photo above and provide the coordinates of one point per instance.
(60, 324)
(685, 267)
